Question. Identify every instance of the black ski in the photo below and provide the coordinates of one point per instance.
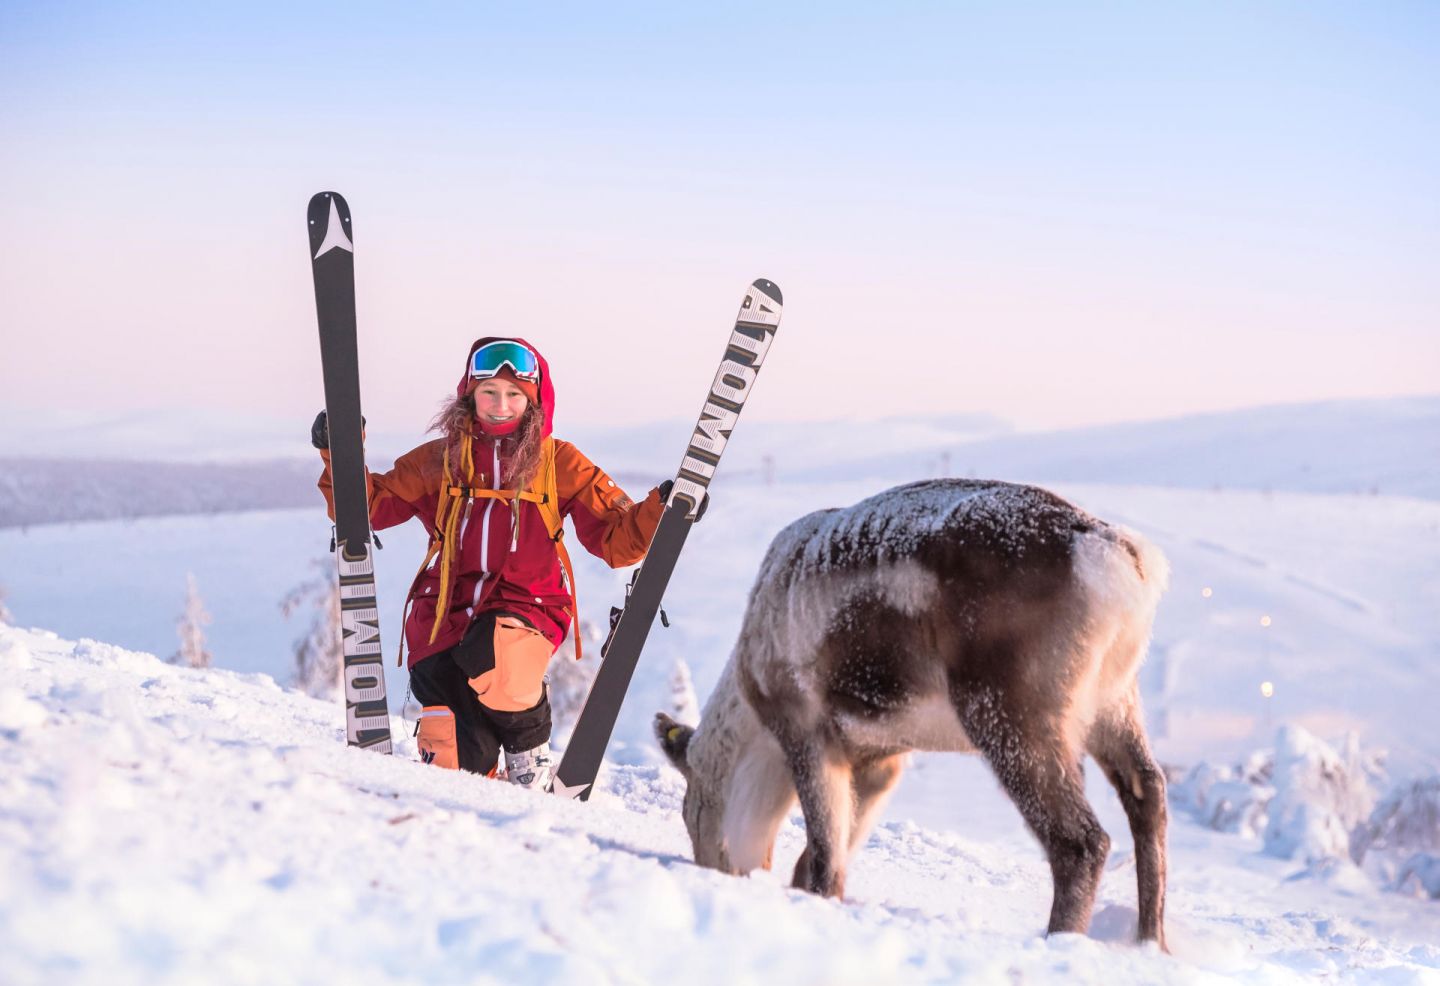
(332, 256)
(754, 331)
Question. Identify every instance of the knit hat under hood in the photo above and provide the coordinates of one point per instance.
(545, 391)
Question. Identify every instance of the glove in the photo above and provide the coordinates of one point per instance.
(320, 430)
(669, 485)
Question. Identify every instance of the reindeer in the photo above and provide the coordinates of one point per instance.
(941, 615)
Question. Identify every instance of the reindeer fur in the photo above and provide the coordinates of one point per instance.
(942, 615)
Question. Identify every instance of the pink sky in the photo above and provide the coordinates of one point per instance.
(1120, 231)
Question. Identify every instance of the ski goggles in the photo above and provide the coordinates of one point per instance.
(493, 357)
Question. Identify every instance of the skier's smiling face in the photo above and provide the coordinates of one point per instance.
(498, 401)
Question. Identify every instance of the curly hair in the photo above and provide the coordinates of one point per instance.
(456, 421)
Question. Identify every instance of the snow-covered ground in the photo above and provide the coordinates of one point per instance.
(172, 825)
(211, 825)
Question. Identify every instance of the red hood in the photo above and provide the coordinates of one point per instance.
(547, 389)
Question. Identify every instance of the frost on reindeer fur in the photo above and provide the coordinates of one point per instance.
(890, 527)
(870, 546)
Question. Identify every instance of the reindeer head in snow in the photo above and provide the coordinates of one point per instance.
(703, 815)
(674, 740)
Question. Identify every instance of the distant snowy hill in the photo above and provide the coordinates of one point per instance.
(1385, 446)
(786, 450)
(80, 466)
(50, 491)
(190, 435)
(209, 436)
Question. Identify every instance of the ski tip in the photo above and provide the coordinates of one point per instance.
(322, 199)
(328, 218)
(770, 288)
(320, 204)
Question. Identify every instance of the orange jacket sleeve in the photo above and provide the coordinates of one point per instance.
(408, 490)
(610, 525)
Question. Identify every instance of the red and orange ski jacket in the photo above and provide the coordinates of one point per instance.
(503, 556)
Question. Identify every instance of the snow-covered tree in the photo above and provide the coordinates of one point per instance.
(1228, 798)
(1408, 818)
(320, 654)
(1303, 797)
(191, 629)
(1320, 796)
(569, 679)
(684, 705)
(1420, 876)
(1399, 844)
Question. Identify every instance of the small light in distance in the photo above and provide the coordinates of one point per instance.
(1267, 689)
(1207, 592)
(1264, 621)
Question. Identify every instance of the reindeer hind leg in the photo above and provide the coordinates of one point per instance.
(1032, 760)
(1118, 743)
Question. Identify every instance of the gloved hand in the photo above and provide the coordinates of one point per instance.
(320, 430)
(669, 485)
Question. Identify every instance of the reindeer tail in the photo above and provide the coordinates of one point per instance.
(1123, 566)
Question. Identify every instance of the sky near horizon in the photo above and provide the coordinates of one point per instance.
(1061, 214)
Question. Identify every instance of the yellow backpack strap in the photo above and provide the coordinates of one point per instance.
(466, 492)
(544, 492)
(549, 505)
(446, 525)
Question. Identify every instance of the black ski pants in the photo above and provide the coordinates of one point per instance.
(480, 732)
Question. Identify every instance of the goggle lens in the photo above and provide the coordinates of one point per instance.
(490, 358)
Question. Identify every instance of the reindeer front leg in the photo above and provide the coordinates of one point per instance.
(873, 781)
(824, 783)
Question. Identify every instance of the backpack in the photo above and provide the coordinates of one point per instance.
(543, 492)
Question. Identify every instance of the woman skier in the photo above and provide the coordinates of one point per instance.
(494, 596)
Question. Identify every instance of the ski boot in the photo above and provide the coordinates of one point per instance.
(530, 769)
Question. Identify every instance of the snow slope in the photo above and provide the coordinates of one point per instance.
(1351, 585)
(170, 825)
